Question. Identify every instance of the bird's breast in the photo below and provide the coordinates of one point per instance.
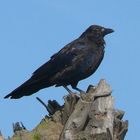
(92, 61)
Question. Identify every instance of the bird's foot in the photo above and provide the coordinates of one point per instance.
(72, 94)
(82, 93)
(68, 90)
(79, 90)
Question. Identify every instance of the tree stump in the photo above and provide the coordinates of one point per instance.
(90, 116)
(93, 116)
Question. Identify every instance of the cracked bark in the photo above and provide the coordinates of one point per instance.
(93, 116)
(90, 116)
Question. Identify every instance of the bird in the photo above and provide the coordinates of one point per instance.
(74, 62)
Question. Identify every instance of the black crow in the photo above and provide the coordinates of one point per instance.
(76, 61)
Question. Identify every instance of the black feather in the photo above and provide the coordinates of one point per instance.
(76, 61)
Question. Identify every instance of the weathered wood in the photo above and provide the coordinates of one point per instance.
(120, 127)
(22, 125)
(94, 116)
(51, 107)
(91, 110)
(90, 116)
(69, 105)
(18, 126)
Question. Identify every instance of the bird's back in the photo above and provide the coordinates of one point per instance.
(87, 57)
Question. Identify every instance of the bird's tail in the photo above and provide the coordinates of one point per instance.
(28, 88)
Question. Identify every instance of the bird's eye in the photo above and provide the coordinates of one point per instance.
(96, 31)
(102, 30)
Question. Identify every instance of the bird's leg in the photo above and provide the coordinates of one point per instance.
(69, 91)
(71, 94)
(81, 91)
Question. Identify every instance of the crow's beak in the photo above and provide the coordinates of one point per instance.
(108, 31)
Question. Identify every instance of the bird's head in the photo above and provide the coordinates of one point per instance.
(96, 33)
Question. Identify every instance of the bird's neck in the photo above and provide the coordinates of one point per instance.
(99, 41)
